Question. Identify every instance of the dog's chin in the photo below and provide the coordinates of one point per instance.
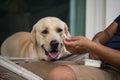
(52, 54)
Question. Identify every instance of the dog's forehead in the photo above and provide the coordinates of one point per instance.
(50, 21)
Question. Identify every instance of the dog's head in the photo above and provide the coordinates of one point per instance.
(48, 34)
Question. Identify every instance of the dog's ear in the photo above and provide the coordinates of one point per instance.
(33, 33)
(67, 34)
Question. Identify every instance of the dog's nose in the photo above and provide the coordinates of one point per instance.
(54, 44)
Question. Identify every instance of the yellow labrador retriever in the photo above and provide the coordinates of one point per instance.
(44, 42)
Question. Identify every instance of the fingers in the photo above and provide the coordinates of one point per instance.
(67, 41)
(71, 40)
(71, 43)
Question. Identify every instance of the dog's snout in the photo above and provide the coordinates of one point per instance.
(54, 44)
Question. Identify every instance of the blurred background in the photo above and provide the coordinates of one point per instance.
(83, 17)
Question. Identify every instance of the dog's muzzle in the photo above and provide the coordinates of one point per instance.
(54, 52)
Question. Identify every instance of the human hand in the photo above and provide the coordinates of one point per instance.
(77, 44)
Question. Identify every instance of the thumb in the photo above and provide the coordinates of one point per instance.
(73, 38)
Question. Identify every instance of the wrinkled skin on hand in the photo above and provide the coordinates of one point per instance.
(77, 44)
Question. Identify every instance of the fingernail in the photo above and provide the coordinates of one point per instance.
(67, 39)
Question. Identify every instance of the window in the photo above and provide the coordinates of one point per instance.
(77, 17)
(21, 15)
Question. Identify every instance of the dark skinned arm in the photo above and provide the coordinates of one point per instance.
(104, 36)
(77, 43)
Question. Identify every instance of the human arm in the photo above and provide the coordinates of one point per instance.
(77, 43)
(104, 36)
(106, 54)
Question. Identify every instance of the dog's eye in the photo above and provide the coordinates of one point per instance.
(59, 30)
(45, 32)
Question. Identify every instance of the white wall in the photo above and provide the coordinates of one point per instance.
(100, 14)
(95, 13)
(112, 10)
